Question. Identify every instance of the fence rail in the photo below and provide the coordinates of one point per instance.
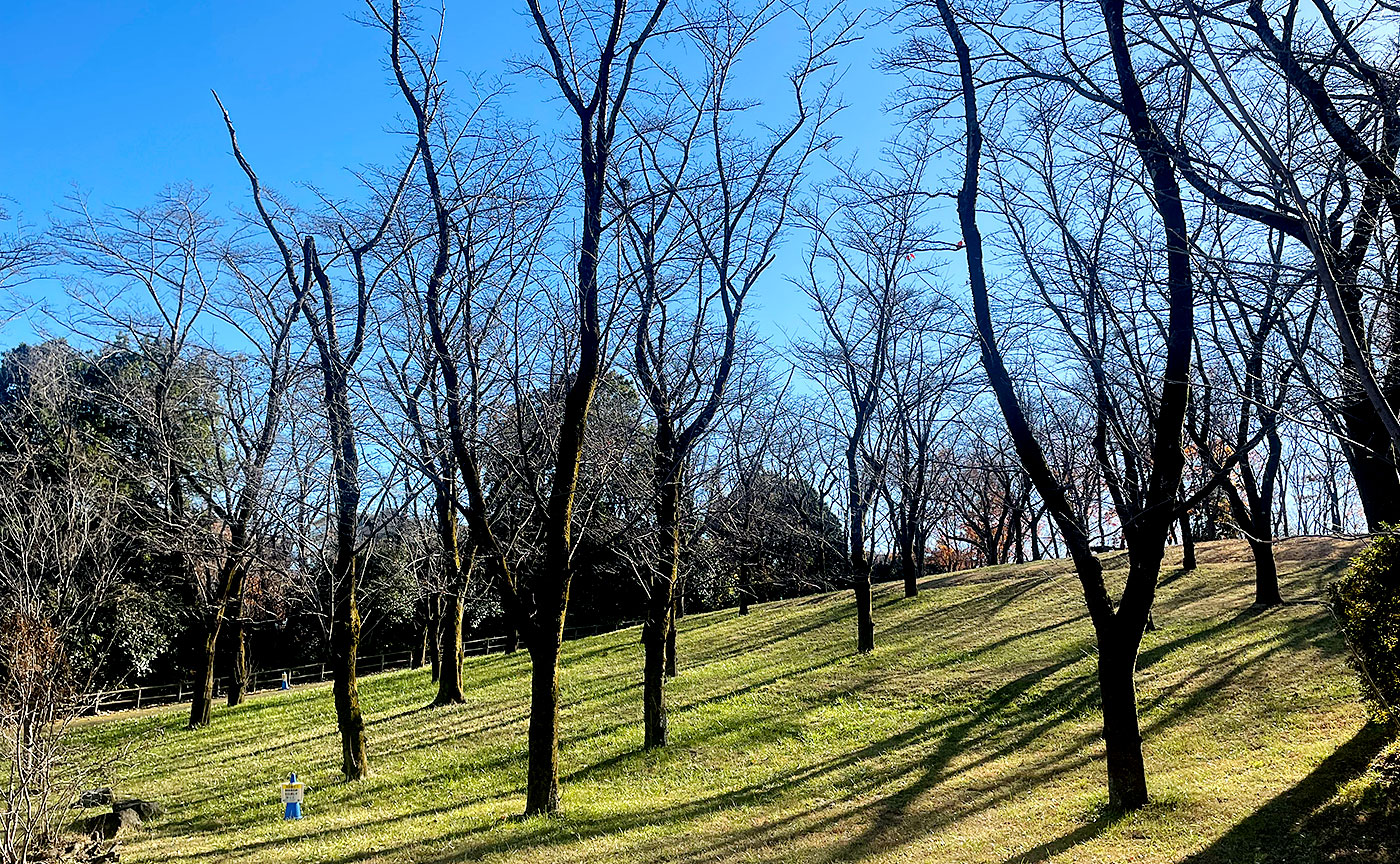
(151, 695)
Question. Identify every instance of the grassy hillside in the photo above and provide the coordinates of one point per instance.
(971, 734)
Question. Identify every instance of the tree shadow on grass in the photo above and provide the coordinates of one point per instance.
(1296, 826)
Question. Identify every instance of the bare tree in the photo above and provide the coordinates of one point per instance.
(863, 279)
(1254, 369)
(487, 218)
(593, 67)
(1094, 63)
(152, 274)
(22, 253)
(337, 331)
(1297, 128)
(928, 366)
(704, 205)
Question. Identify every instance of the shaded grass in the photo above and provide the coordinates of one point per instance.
(970, 734)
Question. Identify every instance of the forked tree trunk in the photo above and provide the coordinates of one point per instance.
(230, 601)
(1118, 630)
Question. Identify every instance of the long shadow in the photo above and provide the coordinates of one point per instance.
(1272, 833)
(1050, 848)
(1000, 720)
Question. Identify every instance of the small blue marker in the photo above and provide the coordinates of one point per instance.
(292, 792)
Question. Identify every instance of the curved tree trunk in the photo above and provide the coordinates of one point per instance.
(1372, 462)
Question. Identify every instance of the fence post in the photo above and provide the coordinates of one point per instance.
(138, 698)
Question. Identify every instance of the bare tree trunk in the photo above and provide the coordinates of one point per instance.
(1372, 462)
(1266, 590)
(202, 703)
(238, 663)
(654, 637)
(1127, 774)
(419, 652)
(1118, 630)
(859, 564)
(450, 665)
(597, 112)
(865, 619)
(450, 630)
(1188, 544)
(907, 564)
(661, 606)
(345, 645)
(542, 779)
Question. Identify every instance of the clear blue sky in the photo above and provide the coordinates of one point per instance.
(112, 98)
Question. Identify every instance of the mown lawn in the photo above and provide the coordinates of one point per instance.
(971, 734)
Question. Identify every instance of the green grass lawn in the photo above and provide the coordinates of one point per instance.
(971, 734)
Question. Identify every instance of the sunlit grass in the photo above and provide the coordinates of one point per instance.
(971, 734)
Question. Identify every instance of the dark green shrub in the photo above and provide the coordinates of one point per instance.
(1367, 602)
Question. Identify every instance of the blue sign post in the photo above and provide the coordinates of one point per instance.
(292, 793)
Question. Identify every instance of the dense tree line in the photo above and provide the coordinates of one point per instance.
(517, 382)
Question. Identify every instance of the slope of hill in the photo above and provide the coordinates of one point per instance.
(971, 734)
